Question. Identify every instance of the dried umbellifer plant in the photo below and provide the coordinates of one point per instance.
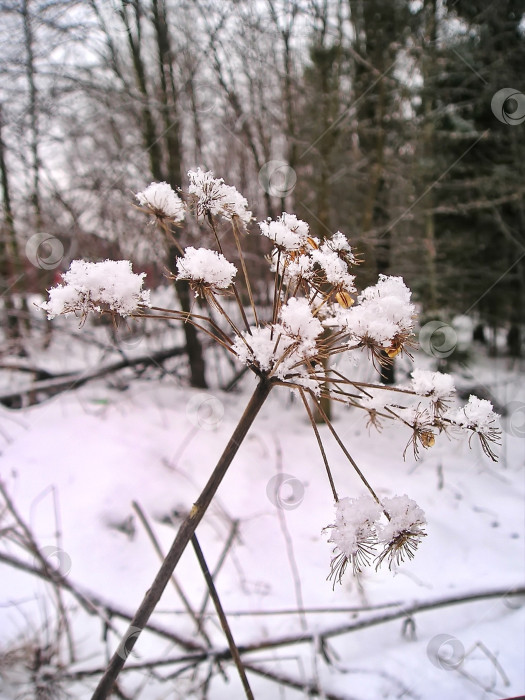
(317, 314)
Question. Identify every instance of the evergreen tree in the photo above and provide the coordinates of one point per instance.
(478, 160)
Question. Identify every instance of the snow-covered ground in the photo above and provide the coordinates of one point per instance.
(77, 463)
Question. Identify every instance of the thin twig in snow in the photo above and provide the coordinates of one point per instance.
(31, 545)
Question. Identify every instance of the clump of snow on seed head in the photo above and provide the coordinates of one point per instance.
(335, 269)
(477, 414)
(285, 347)
(359, 528)
(384, 311)
(339, 242)
(354, 525)
(206, 267)
(298, 321)
(434, 384)
(256, 348)
(162, 201)
(405, 516)
(212, 196)
(287, 232)
(103, 286)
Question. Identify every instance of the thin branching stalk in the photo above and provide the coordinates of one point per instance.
(275, 309)
(218, 566)
(320, 443)
(244, 270)
(234, 286)
(169, 235)
(212, 300)
(384, 387)
(345, 451)
(188, 317)
(226, 346)
(289, 350)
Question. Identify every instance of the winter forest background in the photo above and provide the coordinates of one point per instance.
(401, 124)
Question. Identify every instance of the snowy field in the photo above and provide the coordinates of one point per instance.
(75, 465)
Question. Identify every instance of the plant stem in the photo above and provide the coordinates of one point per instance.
(222, 617)
(149, 531)
(346, 453)
(218, 565)
(320, 443)
(234, 286)
(244, 270)
(181, 541)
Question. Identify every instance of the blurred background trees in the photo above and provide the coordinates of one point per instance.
(369, 116)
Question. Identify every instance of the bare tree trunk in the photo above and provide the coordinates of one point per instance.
(164, 150)
(428, 65)
(33, 112)
(10, 266)
(171, 138)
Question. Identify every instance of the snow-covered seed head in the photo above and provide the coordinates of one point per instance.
(421, 422)
(332, 262)
(383, 318)
(354, 535)
(205, 269)
(212, 197)
(404, 531)
(438, 387)
(286, 349)
(433, 384)
(110, 286)
(477, 417)
(299, 322)
(288, 233)
(359, 528)
(162, 201)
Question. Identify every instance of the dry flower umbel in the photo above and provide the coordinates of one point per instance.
(316, 314)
